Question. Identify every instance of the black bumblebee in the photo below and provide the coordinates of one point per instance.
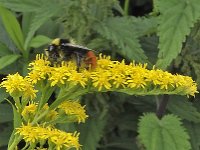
(62, 50)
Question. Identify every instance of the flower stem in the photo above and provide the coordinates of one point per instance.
(126, 7)
(15, 142)
(162, 106)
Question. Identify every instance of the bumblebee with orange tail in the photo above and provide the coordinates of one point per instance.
(62, 50)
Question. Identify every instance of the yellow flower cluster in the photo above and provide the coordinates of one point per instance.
(18, 86)
(58, 139)
(29, 113)
(74, 108)
(39, 69)
(116, 76)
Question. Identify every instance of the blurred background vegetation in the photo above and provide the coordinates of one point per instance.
(124, 29)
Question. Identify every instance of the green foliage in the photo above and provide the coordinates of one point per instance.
(92, 132)
(40, 17)
(166, 134)
(175, 20)
(126, 40)
(39, 40)
(194, 132)
(97, 20)
(13, 28)
(7, 60)
(164, 35)
(6, 113)
(5, 134)
(186, 111)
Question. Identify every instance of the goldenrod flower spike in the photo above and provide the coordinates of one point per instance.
(115, 76)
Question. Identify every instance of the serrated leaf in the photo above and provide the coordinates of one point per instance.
(12, 27)
(144, 26)
(163, 134)
(120, 32)
(194, 131)
(7, 60)
(39, 40)
(40, 18)
(6, 113)
(92, 131)
(176, 19)
(182, 107)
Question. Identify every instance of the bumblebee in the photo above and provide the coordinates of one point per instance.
(62, 50)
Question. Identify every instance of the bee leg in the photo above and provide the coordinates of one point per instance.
(78, 61)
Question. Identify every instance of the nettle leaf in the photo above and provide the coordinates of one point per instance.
(91, 132)
(183, 108)
(145, 26)
(121, 32)
(165, 134)
(175, 20)
(194, 131)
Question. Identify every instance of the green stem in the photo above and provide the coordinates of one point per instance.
(126, 7)
(18, 104)
(36, 119)
(15, 142)
(162, 106)
(70, 95)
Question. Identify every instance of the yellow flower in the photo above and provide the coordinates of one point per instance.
(40, 68)
(76, 77)
(101, 79)
(27, 131)
(104, 61)
(18, 86)
(59, 74)
(74, 108)
(36, 134)
(29, 112)
(14, 83)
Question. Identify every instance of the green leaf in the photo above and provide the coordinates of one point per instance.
(3, 94)
(6, 113)
(12, 27)
(91, 132)
(22, 5)
(182, 107)
(4, 50)
(5, 134)
(176, 19)
(41, 16)
(17, 117)
(39, 40)
(164, 134)
(144, 26)
(120, 32)
(7, 60)
(194, 131)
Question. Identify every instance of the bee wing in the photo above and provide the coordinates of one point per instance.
(77, 46)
